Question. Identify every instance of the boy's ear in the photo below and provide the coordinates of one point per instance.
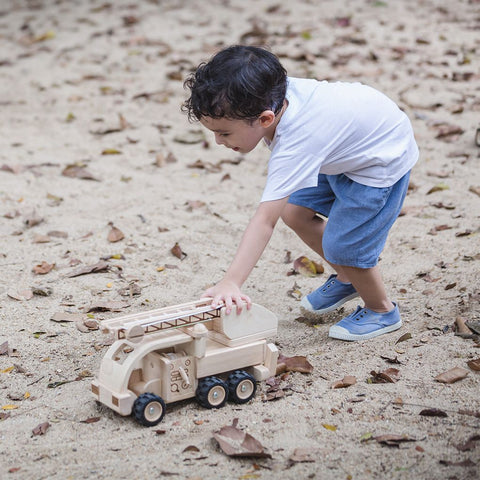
(266, 118)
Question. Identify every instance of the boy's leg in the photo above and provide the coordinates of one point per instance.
(369, 284)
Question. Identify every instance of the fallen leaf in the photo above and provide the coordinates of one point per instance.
(438, 188)
(452, 375)
(461, 326)
(23, 295)
(43, 268)
(470, 443)
(114, 235)
(474, 364)
(236, 443)
(111, 151)
(405, 336)
(177, 251)
(433, 412)
(41, 429)
(462, 463)
(390, 375)
(64, 317)
(332, 428)
(393, 440)
(4, 348)
(474, 189)
(191, 448)
(304, 455)
(297, 363)
(346, 381)
(91, 420)
(108, 306)
(78, 171)
(304, 266)
(190, 137)
(100, 266)
(9, 407)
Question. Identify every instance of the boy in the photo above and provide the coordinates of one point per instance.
(340, 150)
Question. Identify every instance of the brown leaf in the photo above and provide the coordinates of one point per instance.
(405, 336)
(304, 266)
(108, 306)
(41, 429)
(346, 381)
(78, 171)
(177, 251)
(114, 235)
(63, 317)
(236, 443)
(470, 443)
(90, 420)
(393, 440)
(390, 375)
(433, 412)
(100, 266)
(452, 375)
(474, 189)
(474, 364)
(21, 295)
(461, 326)
(43, 268)
(303, 455)
(4, 348)
(293, 364)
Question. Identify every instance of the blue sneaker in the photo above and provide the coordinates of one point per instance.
(331, 295)
(363, 324)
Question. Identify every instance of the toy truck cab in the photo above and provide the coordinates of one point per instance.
(188, 350)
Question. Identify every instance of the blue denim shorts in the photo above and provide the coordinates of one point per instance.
(359, 217)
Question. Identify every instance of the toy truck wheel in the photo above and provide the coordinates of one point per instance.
(241, 386)
(212, 392)
(149, 409)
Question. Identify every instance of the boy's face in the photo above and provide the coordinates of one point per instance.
(239, 135)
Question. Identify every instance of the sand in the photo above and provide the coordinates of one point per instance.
(93, 90)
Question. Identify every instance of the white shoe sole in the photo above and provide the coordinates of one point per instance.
(341, 333)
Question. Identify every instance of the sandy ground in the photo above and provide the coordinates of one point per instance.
(70, 73)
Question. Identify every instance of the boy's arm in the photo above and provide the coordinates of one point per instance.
(254, 241)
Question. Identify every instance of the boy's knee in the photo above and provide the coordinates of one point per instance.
(290, 216)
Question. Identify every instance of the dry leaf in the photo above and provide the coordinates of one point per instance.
(390, 375)
(4, 348)
(293, 364)
(100, 266)
(41, 429)
(433, 412)
(473, 364)
(304, 266)
(177, 251)
(346, 381)
(405, 336)
(452, 375)
(236, 443)
(393, 440)
(78, 171)
(302, 455)
(62, 317)
(114, 235)
(22, 295)
(90, 420)
(43, 268)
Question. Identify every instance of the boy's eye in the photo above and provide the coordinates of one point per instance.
(224, 134)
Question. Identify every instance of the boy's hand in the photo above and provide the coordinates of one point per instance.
(229, 293)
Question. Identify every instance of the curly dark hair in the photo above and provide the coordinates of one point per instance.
(239, 82)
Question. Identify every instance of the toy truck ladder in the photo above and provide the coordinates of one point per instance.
(136, 325)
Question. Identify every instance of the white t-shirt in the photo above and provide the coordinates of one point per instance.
(335, 128)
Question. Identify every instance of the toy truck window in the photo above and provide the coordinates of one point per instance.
(122, 353)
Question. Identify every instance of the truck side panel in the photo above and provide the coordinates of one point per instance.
(220, 359)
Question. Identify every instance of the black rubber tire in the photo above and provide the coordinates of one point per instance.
(241, 386)
(212, 392)
(149, 409)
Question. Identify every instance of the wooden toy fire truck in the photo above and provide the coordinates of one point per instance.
(183, 351)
